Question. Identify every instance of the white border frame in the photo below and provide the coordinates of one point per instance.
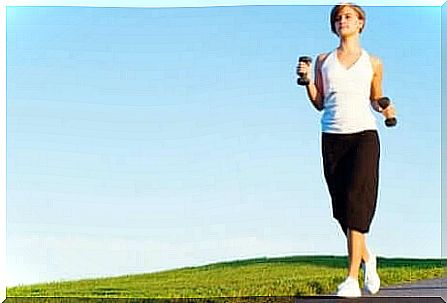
(176, 3)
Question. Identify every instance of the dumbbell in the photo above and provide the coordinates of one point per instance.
(303, 80)
(384, 102)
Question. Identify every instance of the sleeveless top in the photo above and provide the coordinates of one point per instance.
(347, 107)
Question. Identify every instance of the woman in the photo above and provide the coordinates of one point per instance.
(347, 85)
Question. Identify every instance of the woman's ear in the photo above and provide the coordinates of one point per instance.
(361, 25)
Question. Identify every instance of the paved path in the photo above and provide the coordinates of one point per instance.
(426, 291)
(426, 288)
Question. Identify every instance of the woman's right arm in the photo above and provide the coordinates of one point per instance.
(315, 88)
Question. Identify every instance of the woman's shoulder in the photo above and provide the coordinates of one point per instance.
(322, 57)
(375, 60)
(376, 64)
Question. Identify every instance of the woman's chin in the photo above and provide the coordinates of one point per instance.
(346, 34)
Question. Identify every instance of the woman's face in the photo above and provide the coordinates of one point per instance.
(347, 22)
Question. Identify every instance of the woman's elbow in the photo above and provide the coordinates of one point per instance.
(319, 104)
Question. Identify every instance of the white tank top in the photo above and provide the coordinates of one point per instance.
(347, 107)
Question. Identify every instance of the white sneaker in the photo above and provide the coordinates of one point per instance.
(372, 279)
(349, 288)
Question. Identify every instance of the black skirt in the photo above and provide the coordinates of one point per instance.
(351, 170)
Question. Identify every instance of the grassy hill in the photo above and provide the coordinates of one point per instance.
(287, 276)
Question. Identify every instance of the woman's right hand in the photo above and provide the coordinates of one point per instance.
(304, 68)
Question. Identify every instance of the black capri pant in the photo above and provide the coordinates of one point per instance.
(351, 170)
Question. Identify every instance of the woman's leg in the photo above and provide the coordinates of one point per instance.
(357, 251)
(356, 242)
(365, 254)
(361, 196)
(350, 287)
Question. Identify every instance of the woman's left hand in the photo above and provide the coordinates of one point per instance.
(389, 112)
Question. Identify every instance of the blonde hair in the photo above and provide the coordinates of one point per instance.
(336, 10)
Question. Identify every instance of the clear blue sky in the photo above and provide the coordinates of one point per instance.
(141, 139)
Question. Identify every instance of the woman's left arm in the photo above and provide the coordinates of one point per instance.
(376, 89)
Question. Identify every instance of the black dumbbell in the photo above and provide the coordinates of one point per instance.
(303, 80)
(384, 102)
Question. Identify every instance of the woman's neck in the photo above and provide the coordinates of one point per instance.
(350, 45)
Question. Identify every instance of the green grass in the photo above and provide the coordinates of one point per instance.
(287, 276)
